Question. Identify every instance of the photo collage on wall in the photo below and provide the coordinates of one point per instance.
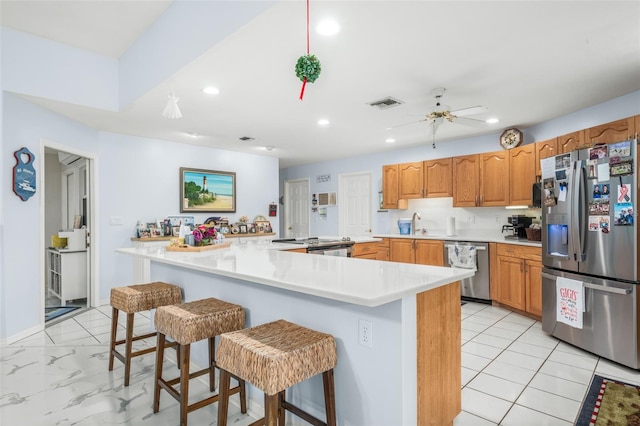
(607, 194)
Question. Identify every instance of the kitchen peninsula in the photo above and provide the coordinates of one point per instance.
(407, 373)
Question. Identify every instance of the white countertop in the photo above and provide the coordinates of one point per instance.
(358, 281)
(488, 236)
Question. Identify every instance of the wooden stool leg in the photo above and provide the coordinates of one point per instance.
(159, 365)
(212, 364)
(243, 397)
(329, 397)
(128, 345)
(281, 410)
(271, 410)
(185, 353)
(223, 397)
(114, 329)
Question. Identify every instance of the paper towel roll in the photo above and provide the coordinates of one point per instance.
(451, 226)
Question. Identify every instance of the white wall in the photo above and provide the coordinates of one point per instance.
(434, 212)
(137, 179)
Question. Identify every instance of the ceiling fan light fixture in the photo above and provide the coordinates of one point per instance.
(328, 27)
(171, 110)
(492, 120)
(211, 90)
(390, 140)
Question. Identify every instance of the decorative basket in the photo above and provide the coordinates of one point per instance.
(534, 234)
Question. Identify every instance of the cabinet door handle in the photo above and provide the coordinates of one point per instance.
(476, 201)
(481, 199)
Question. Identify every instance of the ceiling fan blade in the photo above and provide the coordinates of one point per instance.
(469, 111)
(471, 122)
(406, 124)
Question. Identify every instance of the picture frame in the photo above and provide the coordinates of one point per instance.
(243, 228)
(204, 190)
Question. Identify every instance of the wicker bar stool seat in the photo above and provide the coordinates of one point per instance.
(130, 300)
(187, 323)
(274, 357)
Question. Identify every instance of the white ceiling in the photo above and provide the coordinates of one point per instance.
(526, 61)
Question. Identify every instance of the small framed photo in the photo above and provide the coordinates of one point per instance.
(224, 229)
(175, 231)
(243, 228)
(251, 228)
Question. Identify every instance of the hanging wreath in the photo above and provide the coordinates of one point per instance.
(308, 68)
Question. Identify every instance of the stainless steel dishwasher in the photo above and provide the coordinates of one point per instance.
(476, 287)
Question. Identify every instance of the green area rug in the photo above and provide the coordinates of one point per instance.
(53, 312)
(610, 402)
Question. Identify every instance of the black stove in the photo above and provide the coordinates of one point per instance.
(317, 245)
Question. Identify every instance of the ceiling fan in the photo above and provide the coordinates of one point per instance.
(442, 113)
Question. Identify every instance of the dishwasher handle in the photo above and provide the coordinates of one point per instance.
(614, 290)
(478, 248)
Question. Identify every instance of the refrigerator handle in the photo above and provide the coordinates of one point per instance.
(581, 195)
(574, 200)
(613, 290)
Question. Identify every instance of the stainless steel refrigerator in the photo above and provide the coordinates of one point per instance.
(590, 235)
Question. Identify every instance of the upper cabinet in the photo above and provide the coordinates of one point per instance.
(494, 179)
(522, 166)
(390, 186)
(411, 180)
(437, 178)
(545, 149)
(615, 131)
(466, 181)
(571, 141)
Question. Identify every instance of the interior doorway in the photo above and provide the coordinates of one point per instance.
(296, 208)
(355, 204)
(66, 217)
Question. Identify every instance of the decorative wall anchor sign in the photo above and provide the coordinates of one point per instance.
(24, 174)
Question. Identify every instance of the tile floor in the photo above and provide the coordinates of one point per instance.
(512, 374)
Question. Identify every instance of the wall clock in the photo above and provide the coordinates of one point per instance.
(511, 138)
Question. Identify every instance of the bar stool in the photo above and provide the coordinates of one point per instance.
(187, 323)
(274, 357)
(132, 299)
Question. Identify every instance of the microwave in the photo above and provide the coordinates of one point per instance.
(536, 195)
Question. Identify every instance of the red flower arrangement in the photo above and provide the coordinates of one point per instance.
(204, 235)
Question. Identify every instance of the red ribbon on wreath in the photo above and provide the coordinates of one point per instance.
(304, 83)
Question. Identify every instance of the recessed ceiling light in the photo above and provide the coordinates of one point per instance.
(323, 122)
(328, 27)
(492, 120)
(192, 134)
(210, 90)
(390, 140)
(268, 148)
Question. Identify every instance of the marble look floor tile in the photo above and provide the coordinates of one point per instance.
(523, 416)
(39, 339)
(60, 336)
(553, 405)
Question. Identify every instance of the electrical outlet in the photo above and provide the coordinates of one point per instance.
(497, 219)
(365, 333)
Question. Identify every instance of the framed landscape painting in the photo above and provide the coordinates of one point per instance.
(207, 191)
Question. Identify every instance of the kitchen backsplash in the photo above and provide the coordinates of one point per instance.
(435, 211)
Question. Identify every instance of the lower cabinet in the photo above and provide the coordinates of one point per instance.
(420, 251)
(365, 250)
(518, 279)
(383, 250)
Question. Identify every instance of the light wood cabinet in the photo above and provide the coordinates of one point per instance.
(545, 149)
(402, 250)
(615, 131)
(570, 141)
(383, 250)
(365, 250)
(518, 279)
(438, 178)
(466, 181)
(522, 166)
(390, 185)
(411, 180)
(429, 252)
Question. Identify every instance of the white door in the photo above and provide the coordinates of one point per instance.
(296, 208)
(354, 202)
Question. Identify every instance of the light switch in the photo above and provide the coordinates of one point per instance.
(115, 220)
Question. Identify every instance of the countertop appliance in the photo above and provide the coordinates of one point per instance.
(476, 287)
(590, 244)
(315, 245)
(517, 227)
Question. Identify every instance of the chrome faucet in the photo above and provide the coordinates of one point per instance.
(413, 221)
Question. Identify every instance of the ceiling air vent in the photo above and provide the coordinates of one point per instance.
(385, 103)
(246, 139)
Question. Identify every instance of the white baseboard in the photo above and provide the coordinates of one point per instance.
(21, 335)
